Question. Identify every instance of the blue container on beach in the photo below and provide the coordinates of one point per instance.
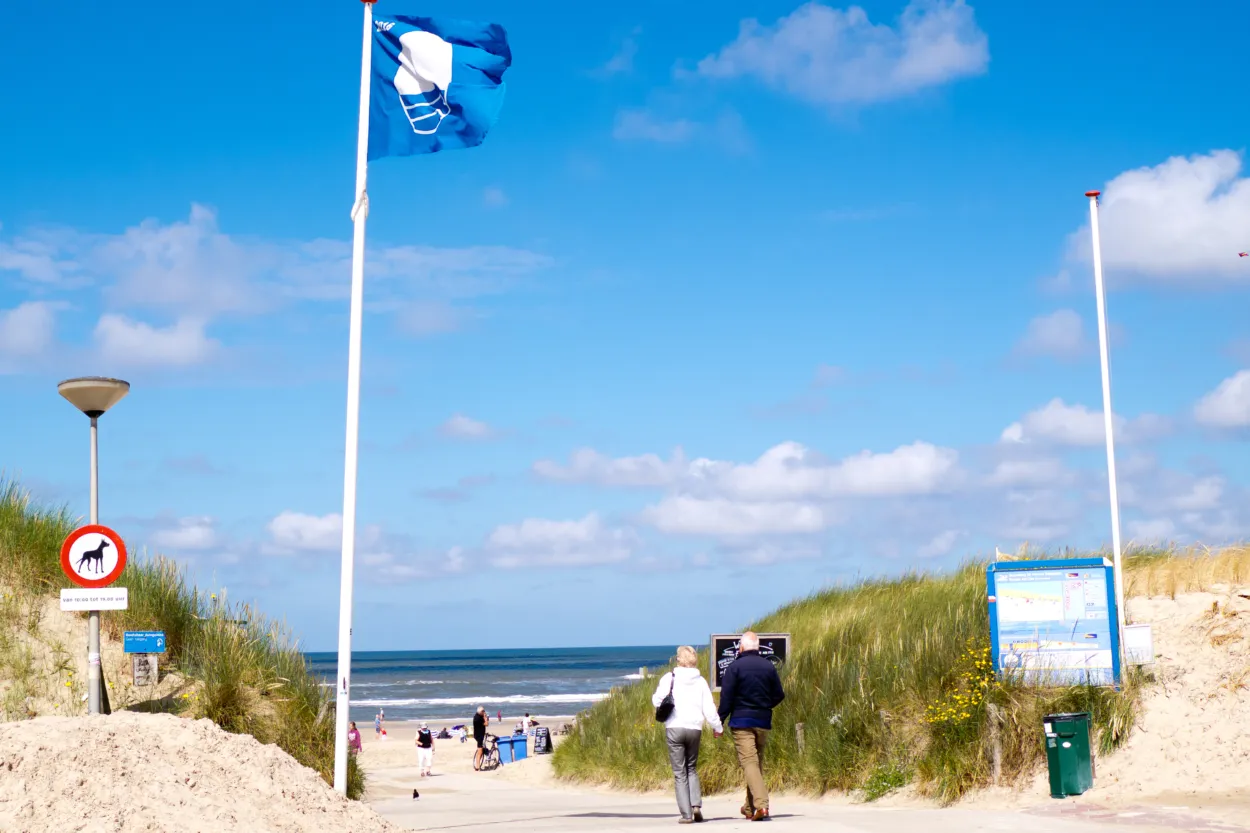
(520, 747)
(505, 749)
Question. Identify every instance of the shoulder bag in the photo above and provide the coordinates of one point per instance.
(665, 709)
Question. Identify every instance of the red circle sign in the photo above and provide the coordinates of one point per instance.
(93, 556)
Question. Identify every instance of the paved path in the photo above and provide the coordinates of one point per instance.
(488, 802)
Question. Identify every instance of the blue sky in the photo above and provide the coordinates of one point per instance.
(721, 312)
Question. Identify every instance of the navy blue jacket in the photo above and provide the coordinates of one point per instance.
(749, 692)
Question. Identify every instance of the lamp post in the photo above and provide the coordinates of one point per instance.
(93, 395)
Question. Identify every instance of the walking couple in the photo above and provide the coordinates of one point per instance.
(750, 690)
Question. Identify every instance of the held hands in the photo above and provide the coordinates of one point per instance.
(716, 734)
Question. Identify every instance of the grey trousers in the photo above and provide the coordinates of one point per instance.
(683, 754)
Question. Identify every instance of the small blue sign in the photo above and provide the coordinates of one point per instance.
(144, 642)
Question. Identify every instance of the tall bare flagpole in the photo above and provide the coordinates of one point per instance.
(1107, 412)
(360, 212)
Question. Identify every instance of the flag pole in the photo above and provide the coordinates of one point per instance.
(360, 212)
(1107, 413)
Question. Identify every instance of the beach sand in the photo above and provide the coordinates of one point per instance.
(527, 796)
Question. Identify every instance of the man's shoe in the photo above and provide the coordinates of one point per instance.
(746, 811)
(760, 814)
(684, 820)
(698, 814)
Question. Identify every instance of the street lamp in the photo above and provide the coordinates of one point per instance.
(93, 395)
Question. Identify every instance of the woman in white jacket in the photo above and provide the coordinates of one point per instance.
(692, 706)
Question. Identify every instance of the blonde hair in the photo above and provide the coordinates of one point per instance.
(687, 657)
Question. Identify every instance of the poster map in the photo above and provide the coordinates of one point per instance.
(1055, 626)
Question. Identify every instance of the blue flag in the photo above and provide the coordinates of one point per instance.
(436, 84)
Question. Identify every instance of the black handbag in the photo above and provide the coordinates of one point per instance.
(665, 709)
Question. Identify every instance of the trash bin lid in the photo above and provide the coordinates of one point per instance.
(1054, 718)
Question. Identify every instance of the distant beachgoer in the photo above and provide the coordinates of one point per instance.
(500, 716)
(479, 734)
(692, 707)
(425, 750)
(749, 692)
(353, 739)
(464, 734)
(377, 726)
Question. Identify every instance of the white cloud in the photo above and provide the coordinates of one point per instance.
(589, 466)
(1060, 334)
(1029, 472)
(638, 124)
(188, 534)
(832, 56)
(27, 330)
(494, 197)
(38, 259)
(941, 544)
(1158, 530)
(791, 470)
(461, 427)
(542, 542)
(787, 471)
(298, 532)
(430, 318)
(622, 61)
(1182, 221)
(123, 341)
(1228, 406)
(1076, 425)
(688, 515)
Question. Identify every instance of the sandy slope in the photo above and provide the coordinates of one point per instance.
(1191, 746)
(137, 772)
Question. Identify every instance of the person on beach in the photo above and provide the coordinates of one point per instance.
(479, 734)
(749, 692)
(353, 739)
(692, 707)
(425, 750)
(377, 726)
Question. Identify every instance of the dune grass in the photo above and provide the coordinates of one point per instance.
(891, 681)
(247, 671)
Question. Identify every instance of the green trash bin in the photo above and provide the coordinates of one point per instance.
(1067, 754)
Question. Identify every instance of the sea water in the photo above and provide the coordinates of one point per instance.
(448, 686)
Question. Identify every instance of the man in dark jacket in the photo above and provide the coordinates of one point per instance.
(749, 692)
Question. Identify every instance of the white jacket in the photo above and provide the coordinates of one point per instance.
(692, 700)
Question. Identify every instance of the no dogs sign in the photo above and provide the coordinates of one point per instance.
(93, 556)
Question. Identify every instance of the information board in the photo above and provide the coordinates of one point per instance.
(723, 650)
(1054, 622)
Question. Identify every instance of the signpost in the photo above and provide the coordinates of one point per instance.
(1055, 622)
(144, 646)
(143, 669)
(723, 650)
(143, 642)
(93, 557)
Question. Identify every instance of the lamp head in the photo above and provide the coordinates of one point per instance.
(93, 395)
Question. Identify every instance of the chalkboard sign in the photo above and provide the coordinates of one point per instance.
(542, 741)
(723, 650)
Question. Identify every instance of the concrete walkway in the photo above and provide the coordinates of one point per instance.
(487, 801)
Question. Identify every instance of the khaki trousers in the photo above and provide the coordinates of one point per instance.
(750, 746)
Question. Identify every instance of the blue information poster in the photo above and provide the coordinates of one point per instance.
(1054, 622)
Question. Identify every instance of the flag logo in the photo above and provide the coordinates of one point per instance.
(422, 80)
(384, 25)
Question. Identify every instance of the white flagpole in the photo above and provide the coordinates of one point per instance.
(360, 211)
(1107, 413)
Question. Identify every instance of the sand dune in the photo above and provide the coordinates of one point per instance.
(138, 772)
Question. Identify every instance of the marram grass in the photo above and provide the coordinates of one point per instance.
(891, 681)
(245, 671)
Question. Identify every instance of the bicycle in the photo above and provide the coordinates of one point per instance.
(490, 755)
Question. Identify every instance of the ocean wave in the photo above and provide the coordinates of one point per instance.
(486, 700)
(632, 677)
